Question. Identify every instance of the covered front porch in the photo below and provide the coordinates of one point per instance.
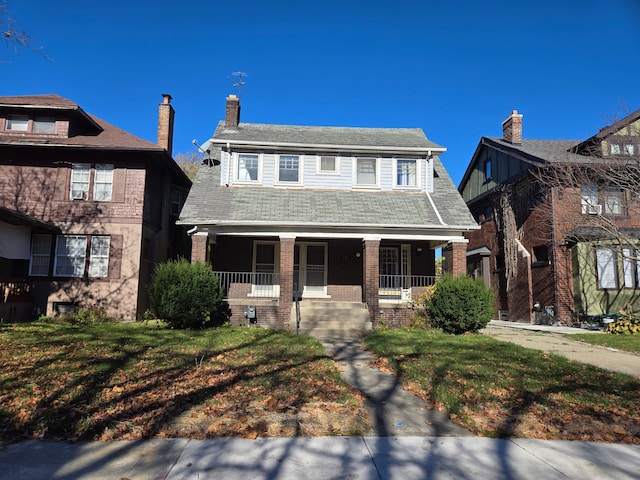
(262, 275)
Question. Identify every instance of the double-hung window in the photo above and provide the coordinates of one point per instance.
(289, 168)
(406, 172)
(614, 201)
(248, 167)
(631, 267)
(590, 200)
(71, 251)
(40, 255)
(17, 123)
(80, 178)
(103, 182)
(328, 164)
(366, 172)
(99, 257)
(606, 268)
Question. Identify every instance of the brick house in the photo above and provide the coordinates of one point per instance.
(347, 219)
(86, 209)
(546, 247)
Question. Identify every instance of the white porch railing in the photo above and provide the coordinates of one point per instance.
(249, 284)
(403, 286)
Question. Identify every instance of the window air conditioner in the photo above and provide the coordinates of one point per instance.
(78, 195)
(595, 210)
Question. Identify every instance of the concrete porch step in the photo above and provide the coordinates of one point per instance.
(332, 319)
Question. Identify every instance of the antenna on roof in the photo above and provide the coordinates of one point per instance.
(239, 83)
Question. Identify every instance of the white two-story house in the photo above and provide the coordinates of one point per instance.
(333, 216)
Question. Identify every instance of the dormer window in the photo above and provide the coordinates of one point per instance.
(37, 124)
(44, 125)
(18, 123)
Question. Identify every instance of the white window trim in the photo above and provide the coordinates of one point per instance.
(56, 257)
(96, 261)
(236, 166)
(101, 168)
(82, 194)
(277, 170)
(418, 175)
(355, 173)
(319, 170)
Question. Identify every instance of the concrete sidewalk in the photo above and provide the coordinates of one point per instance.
(552, 340)
(406, 458)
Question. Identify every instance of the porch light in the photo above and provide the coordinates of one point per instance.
(358, 254)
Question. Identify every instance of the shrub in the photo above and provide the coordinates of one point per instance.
(460, 304)
(186, 295)
(420, 317)
(626, 323)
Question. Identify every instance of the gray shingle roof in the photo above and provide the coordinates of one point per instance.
(552, 151)
(400, 138)
(209, 203)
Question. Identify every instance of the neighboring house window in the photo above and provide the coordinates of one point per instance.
(248, 167)
(406, 173)
(488, 174)
(44, 125)
(614, 202)
(541, 255)
(488, 213)
(40, 255)
(366, 171)
(327, 164)
(631, 267)
(289, 168)
(99, 257)
(80, 176)
(622, 149)
(606, 268)
(176, 202)
(70, 255)
(17, 123)
(103, 182)
(590, 200)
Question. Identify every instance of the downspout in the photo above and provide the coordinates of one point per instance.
(228, 163)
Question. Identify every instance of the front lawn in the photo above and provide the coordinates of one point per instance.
(129, 381)
(500, 389)
(628, 343)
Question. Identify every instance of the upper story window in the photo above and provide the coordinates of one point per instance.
(81, 181)
(406, 172)
(488, 174)
(37, 124)
(17, 123)
(289, 168)
(80, 178)
(44, 124)
(328, 164)
(623, 148)
(176, 202)
(103, 182)
(366, 172)
(248, 167)
(610, 201)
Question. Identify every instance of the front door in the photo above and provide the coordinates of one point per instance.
(310, 269)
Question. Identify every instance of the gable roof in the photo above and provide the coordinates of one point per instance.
(326, 138)
(587, 146)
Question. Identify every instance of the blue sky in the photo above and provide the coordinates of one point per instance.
(456, 69)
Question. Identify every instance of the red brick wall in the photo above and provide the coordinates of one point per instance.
(371, 252)
(199, 248)
(286, 279)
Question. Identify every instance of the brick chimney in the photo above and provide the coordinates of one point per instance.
(165, 123)
(512, 128)
(232, 118)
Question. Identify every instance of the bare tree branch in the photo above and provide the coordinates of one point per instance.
(13, 37)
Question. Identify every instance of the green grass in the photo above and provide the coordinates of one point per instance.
(127, 381)
(629, 343)
(500, 389)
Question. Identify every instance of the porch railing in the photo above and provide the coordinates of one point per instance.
(249, 284)
(403, 286)
(15, 292)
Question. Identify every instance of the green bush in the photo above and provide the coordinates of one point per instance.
(186, 295)
(626, 323)
(460, 304)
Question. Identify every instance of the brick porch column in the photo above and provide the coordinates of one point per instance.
(458, 258)
(286, 280)
(371, 275)
(199, 247)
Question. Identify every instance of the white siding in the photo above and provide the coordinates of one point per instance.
(268, 169)
(429, 174)
(386, 173)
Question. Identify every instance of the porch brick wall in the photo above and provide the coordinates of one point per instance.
(266, 315)
(199, 248)
(286, 280)
(394, 316)
(371, 274)
(458, 259)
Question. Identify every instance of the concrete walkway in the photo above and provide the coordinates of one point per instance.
(552, 340)
(367, 458)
